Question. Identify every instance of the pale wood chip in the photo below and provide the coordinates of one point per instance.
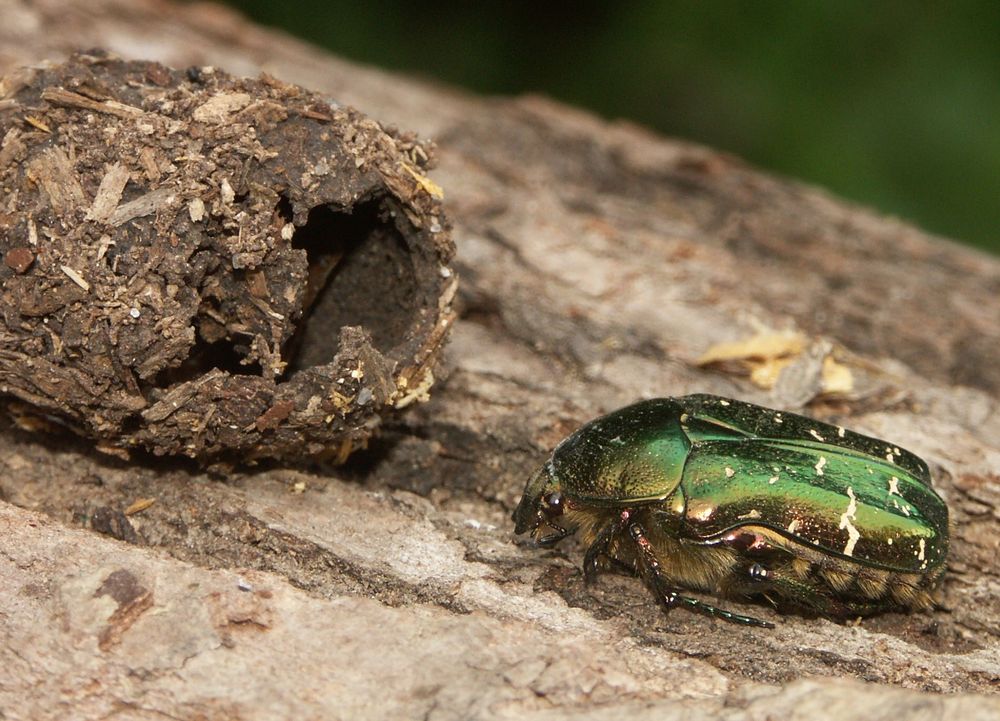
(109, 193)
(139, 505)
(142, 206)
(75, 277)
(66, 98)
(218, 109)
(54, 172)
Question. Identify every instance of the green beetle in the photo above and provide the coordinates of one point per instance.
(733, 499)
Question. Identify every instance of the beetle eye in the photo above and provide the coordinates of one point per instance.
(553, 503)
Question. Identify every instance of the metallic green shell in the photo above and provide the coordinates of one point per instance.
(727, 465)
(634, 454)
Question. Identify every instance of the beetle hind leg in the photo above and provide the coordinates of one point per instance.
(782, 584)
(649, 568)
(671, 598)
(794, 584)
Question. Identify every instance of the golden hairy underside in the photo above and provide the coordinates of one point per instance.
(691, 566)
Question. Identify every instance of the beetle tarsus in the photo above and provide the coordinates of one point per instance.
(709, 610)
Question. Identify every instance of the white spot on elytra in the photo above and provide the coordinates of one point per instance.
(841, 431)
(723, 403)
(730, 472)
(922, 547)
(889, 541)
(817, 436)
(772, 480)
(894, 486)
(819, 465)
(793, 526)
(890, 457)
(845, 522)
(777, 418)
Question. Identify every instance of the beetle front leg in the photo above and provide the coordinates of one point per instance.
(649, 567)
(552, 539)
(600, 547)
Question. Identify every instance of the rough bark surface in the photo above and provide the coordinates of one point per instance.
(597, 263)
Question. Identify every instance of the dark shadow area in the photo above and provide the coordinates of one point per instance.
(360, 274)
(50, 436)
(223, 354)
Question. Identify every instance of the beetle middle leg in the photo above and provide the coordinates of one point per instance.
(649, 567)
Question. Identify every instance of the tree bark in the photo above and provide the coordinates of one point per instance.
(597, 264)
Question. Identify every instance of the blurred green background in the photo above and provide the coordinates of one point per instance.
(894, 104)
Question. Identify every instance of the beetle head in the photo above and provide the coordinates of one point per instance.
(541, 504)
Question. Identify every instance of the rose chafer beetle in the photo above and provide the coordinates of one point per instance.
(729, 498)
